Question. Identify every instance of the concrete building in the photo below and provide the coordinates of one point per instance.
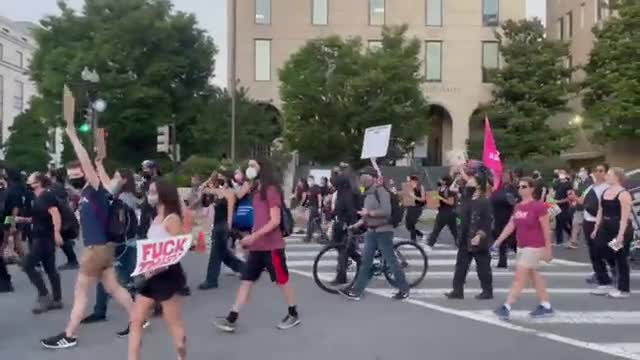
(16, 88)
(573, 21)
(458, 43)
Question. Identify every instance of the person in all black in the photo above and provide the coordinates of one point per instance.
(219, 191)
(57, 187)
(474, 236)
(614, 233)
(446, 211)
(345, 215)
(314, 202)
(5, 278)
(564, 219)
(46, 222)
(15, 204)
(414, 212)
(503, 201)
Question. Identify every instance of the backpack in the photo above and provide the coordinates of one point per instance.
(286, 220)
(121, 222)
(70, 227)
(397, 211)
(591, 202)
(243, 216)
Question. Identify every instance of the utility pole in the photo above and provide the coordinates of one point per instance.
(174, 149)
(233, 79)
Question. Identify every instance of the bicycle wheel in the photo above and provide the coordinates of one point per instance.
(325, 268)
(413, 261)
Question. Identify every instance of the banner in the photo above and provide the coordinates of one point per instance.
(157, 254)
(491, 155)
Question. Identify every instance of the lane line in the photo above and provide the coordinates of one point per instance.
(439, 292)
(576, 317)
(411, 262)
(449, 274)
(609, 350)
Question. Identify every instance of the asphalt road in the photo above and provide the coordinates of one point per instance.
(425, 326)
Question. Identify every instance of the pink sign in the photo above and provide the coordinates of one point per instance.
(491, 155)
(157, 254)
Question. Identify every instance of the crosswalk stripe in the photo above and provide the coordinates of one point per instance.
(433, 293)
(449, 274)
(334, 253)
(628, 347)
(576, 317)
(291, 261)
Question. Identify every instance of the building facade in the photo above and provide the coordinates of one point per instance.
(458, 40)
(16, 88)
(573, 21)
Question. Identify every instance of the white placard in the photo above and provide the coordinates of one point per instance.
(376, 142)
(157, 254)
(318, 174)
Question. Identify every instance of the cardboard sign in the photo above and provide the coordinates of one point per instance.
(101, 145)
(376, 142)
(157, 254)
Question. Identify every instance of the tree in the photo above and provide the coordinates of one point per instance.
(257, 125)
(612, 96)
(26, 148)
(532, 85)
(332, 90)
(153, 64)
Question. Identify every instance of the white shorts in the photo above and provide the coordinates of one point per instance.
(529, 258)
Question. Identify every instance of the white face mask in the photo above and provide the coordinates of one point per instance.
(152, 199)
(251, 173)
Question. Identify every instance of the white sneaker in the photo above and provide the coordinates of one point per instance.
(617, 294)
(602, 290)
(428, 248)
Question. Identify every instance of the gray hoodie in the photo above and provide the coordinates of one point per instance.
(378, 202)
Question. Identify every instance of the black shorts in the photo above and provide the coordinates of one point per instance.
(273, 261)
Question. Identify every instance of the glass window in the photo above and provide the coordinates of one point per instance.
(376, 12)
(263, 12)
(582, 7)
(320, 15)
(433, 61)
(561, 28)
(1, 107)
(490, 12)
(1, 51)
(263, 60)
(490, 59)
(18, 98)
(434, 12)
(375, 44)
(570, 24)
(20, 59)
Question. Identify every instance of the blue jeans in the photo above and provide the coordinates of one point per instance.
(219, 254)
(372, 242)
(124, 266)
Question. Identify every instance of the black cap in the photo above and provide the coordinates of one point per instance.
(369, 170)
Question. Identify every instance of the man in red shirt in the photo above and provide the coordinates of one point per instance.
(265, 244)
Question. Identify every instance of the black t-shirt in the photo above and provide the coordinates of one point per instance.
(16, 198)
(314, 191)
(40, 217)
(446, 193)
(562, 191)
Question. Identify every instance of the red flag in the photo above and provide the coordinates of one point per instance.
(491, 155)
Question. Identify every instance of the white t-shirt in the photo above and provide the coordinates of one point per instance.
(599, 189)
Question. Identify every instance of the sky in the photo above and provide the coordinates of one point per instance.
(211, 14)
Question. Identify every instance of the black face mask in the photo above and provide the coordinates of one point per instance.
(78, 183)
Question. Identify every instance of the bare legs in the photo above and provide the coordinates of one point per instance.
(172, 314)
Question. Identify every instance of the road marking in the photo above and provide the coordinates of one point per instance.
(411, 262)
(449, 274)
(492, 320)
(334, 254)
(576, 317)
(630, 347)
(438, 293)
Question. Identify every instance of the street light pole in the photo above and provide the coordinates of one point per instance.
(233, 79)
(174, 148)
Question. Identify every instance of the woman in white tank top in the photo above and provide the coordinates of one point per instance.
(164, 286)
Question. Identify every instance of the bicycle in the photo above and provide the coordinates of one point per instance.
(412, 259)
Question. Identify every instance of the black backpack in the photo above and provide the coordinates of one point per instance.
(397, 210)
(122, 222)
(70, 227)
(286, 220)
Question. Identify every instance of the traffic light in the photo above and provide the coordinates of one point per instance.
(84, 128)
(86, 125)
(164, 139)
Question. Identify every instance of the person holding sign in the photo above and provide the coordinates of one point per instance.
(97, 260)
(266, 245)
(613, 233)
(162, 285)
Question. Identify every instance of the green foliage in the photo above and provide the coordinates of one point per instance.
(256, 124)
(332, 90)
(532, 85)
(26, 148)
(154, 64)
(612, 95)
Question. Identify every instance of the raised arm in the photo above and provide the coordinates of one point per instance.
(102, 174)
(81, 153)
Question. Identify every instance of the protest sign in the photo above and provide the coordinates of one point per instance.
(376, 142)
(156, 254)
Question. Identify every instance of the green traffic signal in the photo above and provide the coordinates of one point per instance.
(84, 128)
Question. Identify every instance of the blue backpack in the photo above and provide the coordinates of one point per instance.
(243, 216)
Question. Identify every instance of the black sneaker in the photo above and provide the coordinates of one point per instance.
(349, 294)
(484, 296)
(400, 295)
(93, 318)
(185, 291)
(206, 286)
(56, 305)
(289, 322)
(125, 332)
(225, 325)
(69, 266)
(43, 304)
(61, 341)
(454, 295)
